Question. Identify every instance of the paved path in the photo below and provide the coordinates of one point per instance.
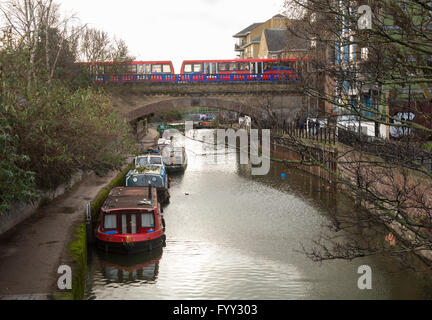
(31, 253)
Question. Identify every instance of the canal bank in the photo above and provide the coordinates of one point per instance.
(32, 252)
(337, 164)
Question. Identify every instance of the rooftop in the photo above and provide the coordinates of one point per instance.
(130, 198)
(282, 39)
(246, 31)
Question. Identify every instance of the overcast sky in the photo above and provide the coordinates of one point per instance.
(174, 30)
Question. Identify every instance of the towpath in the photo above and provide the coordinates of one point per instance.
(31, 252)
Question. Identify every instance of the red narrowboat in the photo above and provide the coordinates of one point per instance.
(131, 221)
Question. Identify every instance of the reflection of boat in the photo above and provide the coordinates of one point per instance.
(144, 266)
(175, 158)
(131, 221)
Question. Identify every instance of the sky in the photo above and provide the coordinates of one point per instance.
(174, 30)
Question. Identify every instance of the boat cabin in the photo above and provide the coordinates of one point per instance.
(131, 220)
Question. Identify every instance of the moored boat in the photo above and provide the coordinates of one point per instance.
(131, 221)
(175, 158)
(147, 175)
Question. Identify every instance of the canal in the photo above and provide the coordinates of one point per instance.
(231, 235)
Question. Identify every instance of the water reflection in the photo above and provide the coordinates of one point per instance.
(142, 267)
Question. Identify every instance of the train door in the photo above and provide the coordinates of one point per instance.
(260, 67)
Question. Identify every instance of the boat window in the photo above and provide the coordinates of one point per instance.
(133, 224)
(141, 161)
(155, 160)
(124, 224)
(147, 220)
(110, 221)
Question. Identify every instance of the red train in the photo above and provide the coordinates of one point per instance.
(242, 66)
(197, 70)
(131, 68)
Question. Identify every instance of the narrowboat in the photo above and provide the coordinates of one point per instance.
(175, 158)
(131, 221)
(153, 175)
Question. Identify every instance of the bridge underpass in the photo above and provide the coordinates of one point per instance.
(135, 101)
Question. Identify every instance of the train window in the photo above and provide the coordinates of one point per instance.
(147, 69)
(223, 67)
(233, 67)
(244, 66)
(131, 68)
(188, 68)
(166, 68)
(140, 69)
(207, 68)
(198, 67)
(156, 68)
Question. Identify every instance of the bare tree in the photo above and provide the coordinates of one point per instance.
(359, 76)
(34, 24)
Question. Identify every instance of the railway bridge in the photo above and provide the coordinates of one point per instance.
(138, 100)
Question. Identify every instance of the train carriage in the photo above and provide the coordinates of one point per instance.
(131, 71)
(242, 66)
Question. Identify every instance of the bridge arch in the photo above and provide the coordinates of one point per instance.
(187, 102)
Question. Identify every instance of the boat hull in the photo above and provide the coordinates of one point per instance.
(125, 248)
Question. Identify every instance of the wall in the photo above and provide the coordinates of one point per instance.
(22, 211)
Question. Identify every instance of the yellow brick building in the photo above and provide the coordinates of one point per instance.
(270, 40)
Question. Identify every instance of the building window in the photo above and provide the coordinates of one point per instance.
(364, 53)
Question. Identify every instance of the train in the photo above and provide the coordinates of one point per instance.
(234, 70)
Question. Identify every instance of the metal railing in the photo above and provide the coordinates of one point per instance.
(326, 135)
(199, 78)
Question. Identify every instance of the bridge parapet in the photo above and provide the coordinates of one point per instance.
(208, 89)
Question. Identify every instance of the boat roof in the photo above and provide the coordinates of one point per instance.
(130, 198)
(147, 169)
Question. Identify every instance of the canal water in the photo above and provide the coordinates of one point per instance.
(231, 235)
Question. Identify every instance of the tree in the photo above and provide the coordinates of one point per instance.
(48, 129)
(36, 26)
(359, 75)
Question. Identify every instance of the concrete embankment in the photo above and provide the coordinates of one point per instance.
(32, 251)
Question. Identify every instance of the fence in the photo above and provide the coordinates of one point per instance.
(326, 135)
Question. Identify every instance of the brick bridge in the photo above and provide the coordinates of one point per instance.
(137, 100)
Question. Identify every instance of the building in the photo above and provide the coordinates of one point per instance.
(270, 40)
